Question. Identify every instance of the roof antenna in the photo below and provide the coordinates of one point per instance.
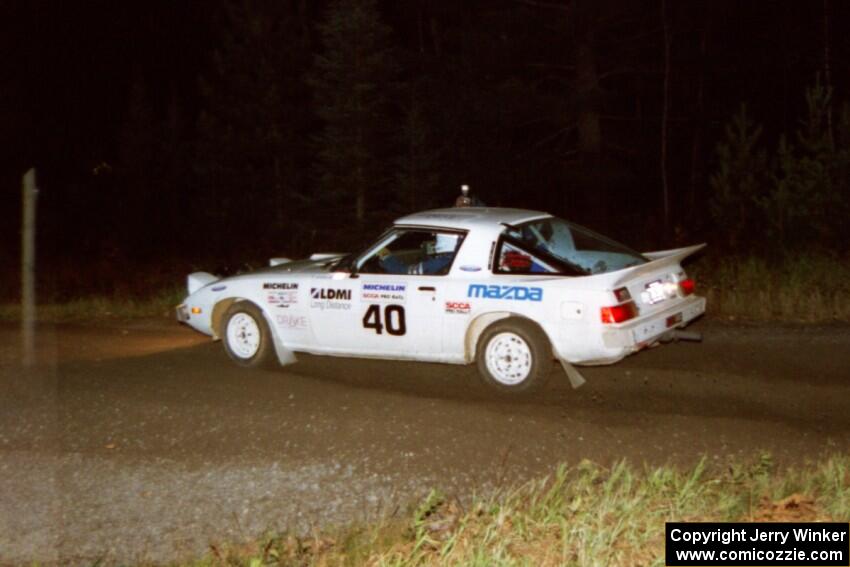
(464, 200)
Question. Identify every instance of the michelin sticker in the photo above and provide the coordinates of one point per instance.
(281, 295)
(383, 293)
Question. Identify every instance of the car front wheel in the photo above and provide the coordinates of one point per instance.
(514, 355)
(247, 339)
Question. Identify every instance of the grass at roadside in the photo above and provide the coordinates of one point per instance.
(804, 289)
(587, 515)
(159, 304)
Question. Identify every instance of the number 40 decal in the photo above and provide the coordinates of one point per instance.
(393, 319)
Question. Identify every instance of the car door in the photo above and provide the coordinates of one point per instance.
(399, 315)
(374, 313)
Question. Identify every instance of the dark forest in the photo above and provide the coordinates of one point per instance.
(170, 136)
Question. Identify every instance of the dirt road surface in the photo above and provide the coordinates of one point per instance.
(141, 441)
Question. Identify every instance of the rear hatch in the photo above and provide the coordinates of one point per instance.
(658, 284)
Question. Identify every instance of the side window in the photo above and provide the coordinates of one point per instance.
(423, 252)
(511, 259)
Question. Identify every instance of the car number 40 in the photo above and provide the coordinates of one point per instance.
(392, 320)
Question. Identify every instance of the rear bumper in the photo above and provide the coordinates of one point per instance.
(644, 331)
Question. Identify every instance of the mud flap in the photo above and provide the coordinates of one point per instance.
(575, 377)
(284, 355)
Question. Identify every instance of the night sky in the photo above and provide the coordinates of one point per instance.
(496, 79)
(70, 66)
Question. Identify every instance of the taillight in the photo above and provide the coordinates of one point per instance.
(619, 313)
(686, 287)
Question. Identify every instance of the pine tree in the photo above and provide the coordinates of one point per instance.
(417, 166)
(250, 128)
(352, 85)
(740, 181)
(135, 188)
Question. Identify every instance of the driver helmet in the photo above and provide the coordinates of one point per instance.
(445, 243)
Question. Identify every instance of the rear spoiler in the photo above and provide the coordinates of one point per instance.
(657, 261)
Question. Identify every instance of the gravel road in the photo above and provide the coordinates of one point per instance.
(141, 441)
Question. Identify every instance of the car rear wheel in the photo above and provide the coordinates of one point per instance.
(514, 355)
(247, 339)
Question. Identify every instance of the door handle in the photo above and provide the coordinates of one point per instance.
(427, 288)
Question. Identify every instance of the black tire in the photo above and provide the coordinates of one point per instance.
(249, 342)
(531, 368)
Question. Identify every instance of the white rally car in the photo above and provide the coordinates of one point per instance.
(510, 289)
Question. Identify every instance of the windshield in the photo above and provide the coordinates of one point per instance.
(578, 247)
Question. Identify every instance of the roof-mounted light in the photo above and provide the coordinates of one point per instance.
(464, 200)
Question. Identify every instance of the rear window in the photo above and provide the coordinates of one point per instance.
(569, 249)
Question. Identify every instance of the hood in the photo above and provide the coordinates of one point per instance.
(308, 265)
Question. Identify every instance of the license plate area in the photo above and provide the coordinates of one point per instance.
(654, 292)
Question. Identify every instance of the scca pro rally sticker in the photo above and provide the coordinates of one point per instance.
(281, 294)
(458, 307)
(383, 292)
(330, 298)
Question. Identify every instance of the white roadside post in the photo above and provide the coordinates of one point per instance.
(28, 315)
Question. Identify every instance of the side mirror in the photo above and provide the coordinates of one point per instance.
(352, 269)
(343, 267)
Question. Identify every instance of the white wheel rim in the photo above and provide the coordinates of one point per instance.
(508, 359)
(243, 335)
